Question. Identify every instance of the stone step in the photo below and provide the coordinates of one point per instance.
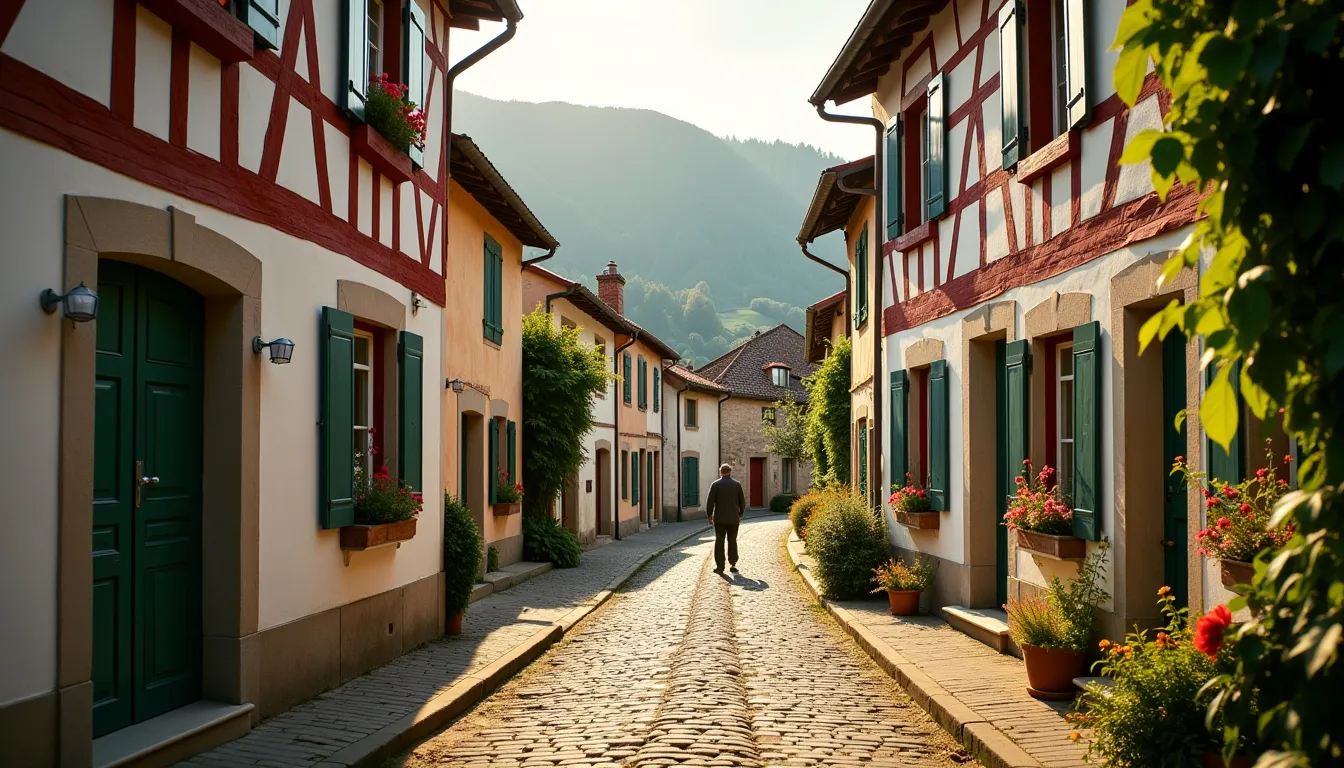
(988, 625)
(600, 541)
(173, 736)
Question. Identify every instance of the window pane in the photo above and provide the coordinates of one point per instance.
(1066, 410)
(1066, 471)
(362, 395)
(1066, 360)
(361, 350)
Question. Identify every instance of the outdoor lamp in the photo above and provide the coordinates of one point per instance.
(281, 349)
(80, 305)
(457, 385)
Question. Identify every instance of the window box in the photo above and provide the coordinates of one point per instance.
(1062, 149)
(919, 521)
(356, 538)
(504, 510)
(1053, 547)
(912, 239)
(369, 144)
(208, 25)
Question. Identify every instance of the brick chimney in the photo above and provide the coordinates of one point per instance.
(611, 288)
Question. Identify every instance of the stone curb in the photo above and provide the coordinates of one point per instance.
(410, 729)
(985, 742)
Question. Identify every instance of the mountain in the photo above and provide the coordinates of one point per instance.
(669, 202)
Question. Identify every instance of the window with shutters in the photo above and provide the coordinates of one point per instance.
(768, 414)
(262, 16)
(657, 388)
(1043, 66)
(860, 280)
(691, 407)
(366, 428)
(627, 383)
(914, 165)
(643, 383)
(492, 322)
(1063, 417)
(374, 37)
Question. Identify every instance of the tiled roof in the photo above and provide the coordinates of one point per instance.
(818, 330)
(693, 378)
(743, 370)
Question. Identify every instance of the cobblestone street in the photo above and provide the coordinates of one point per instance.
(684, 667)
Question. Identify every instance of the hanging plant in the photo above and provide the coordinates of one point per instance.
(388, 111)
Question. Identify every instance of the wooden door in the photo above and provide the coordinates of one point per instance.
(757, 482)
(601, 483)
(147, 497)
(1174, 512)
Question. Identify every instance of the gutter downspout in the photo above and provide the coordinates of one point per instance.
(538, 260)
(849, 318)
(616, 427)
(719, 418)
(879, 164)
(472, 58)
(561, 295)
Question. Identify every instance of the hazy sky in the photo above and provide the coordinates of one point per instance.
(733, 67)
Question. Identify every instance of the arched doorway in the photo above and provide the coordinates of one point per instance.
(146, 496)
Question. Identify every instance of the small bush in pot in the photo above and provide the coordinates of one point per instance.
(904, 583)
(461, 560)
(546, 541)
(848, 542)
(1055, 631)
(782, 502)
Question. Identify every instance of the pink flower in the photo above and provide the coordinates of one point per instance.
(1211, 502)
(1223, 522)
(1287, 458)
(1230, 492)
(1246, 509)
(1261, 472)
(1019, 480)
(1209, 631)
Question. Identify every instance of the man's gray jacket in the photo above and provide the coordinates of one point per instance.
(726, 501)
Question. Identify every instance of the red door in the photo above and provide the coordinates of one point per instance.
(757, 483)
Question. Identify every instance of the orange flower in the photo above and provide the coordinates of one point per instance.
(1164, 591)
(1074, 735)
(1104, 644)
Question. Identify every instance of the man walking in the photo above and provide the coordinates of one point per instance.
(724, 506)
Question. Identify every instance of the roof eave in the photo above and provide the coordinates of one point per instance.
(541, 238)
(868, 23)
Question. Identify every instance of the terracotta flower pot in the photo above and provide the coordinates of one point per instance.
(1236, 572)
(454, 625)
(904, 602)
(1051, 671)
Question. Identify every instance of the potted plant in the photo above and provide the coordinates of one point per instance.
(912, 507)
(508, 495)
(1238, 517)
(461, 561)
(1055, 631)
(392, 125)
(1154, 709)
(904, 583)
(1041, 519)
(385, 510)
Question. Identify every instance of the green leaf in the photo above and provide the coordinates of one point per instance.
(1255, 397)
(1167, 152)
(1149, 330)
(1179, 420)
(1226, 60)
(1162, 184)
(1133, 21)
(1130, 71)
(1140, 148)
(1291, 145)
(1332, 166)
(1248, 311)
(1171, 268)
(1218, 411)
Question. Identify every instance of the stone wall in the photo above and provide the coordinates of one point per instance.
(744, 438)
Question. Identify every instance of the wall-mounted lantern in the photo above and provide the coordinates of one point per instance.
(281, 350)
(457, 385)
(79, 305)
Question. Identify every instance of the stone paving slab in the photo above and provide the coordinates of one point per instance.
(375, 712)
(975, 692)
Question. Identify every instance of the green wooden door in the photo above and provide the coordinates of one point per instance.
(1014, 404)
(1174, 512)
(146, 545)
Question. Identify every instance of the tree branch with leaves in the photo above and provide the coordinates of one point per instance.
(786, 436)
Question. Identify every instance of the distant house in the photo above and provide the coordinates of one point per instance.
(765, 369)
(691, 405)
(826, 322)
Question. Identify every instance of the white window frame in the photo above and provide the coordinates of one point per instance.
(1059, 69)
(363, 440)
(1062, 444)
(374, 38)
(779, 376)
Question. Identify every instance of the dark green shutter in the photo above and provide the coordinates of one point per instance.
(337, 471)
(1075, 46)
(493, 320)
(634, 478)
(863, 459)
(512, 446)
(897, 462)
(413, 60)
(895, 221)
(628, 383)
(861, 278)
(492, 428)
(643, 383)
(939, 452)
(657, 388)
(690, 481)
(936, 136)
(356, 57)
(1017, 405)
(1010, 84)
(648, 478)
(410, 410)
(263, 16)
(624, 460)
(1230, 465)
(1087, 430)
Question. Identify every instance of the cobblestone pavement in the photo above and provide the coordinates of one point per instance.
(684, 667)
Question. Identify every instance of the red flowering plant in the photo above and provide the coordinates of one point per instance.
(1037, 505)
(389, 111)
(506, 491)
(910, 497)
(381, 498)
(1238, 515)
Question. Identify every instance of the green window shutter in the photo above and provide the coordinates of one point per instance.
(263, 16)
(897, 462)
(337, 470)
(499, 295)
(1075, 44)
(939, 453)
(690, 481)
(1087, 496)
(1230, 465)
(492, 460)
(356, 57)
(1010, 85)
(642, 384)
(413, 65)
(634, 478)
(861, 278)
(493, 320)
(657, 388)
(863, 459)
(1017, 406)
(936, 117)
(410, 410)
(512, 447)
(895, 219)
(624, 460)
(628, 384)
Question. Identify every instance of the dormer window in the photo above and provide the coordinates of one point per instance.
(779, 374)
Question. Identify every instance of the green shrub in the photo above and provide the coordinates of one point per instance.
(782, 502)
(1064, 618)
(848, 542)
(461, 555)
(1034, 622)
(492, 559)
(802, 509)
(546, 541)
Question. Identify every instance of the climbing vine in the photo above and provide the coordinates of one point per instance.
(827, 421)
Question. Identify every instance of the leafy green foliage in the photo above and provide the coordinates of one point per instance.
(1065, 616)
(492, 559)
(782, 502)
(1254, 87)
(1034, 622)
(546, 541)
(381, 498)
(803, 508)
(848, 542)
(561, 375)
(827, 433)
(389, 111)
(786, 437)
(461, 555)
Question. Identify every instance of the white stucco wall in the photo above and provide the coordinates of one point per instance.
(301, 569)
(703, 439)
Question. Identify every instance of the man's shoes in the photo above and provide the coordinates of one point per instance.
(719, 571)
(733, 569)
